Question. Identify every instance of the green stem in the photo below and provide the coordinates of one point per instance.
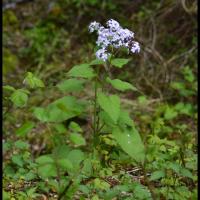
(95, 115)
(65, 190)
(95, 110)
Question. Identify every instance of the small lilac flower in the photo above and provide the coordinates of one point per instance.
(94, 26)
(114, 35)
(102, 55)
(135, 48)
(113, 25)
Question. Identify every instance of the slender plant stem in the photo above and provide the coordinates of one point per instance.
(95, 114)
(95, 109)
(65, 190)
(55, 156)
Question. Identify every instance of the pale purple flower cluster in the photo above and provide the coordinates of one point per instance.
(114, 35)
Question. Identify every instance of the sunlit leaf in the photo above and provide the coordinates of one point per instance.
(96, 62)
(71, 85)
(157, 175)
(44, 159)
(76, 156)
(130, 141)
(82, 71)
(77, 139)
(47, 170)
(19, 97)
(75, 127)
(65, 164)
(110, 104)
(32, 81)
(119, 62)
(121, 85)
(25, 128)
(8, 87)
(60, 110)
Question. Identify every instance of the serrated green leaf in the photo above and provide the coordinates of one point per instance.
(119, 62)
(75, 127)
(76, 156)
(17, 159)
(30, 176)
(61, 152)
(170, 113)
(124, 118)
(174, 166)
(130, 141)
(21, 145)
(25, 128)
(141, 192)
(157, 175)
(77, 139)
(19, 98)
(60, 128)
(87, 167)
(65, 164)
(82, 71)
(41, 114)
(47, 170)
(110, 104)
(32, 81)
(60, 110)
(101, 184)
(71, 85)
(8, 87)
(121, 85)
(45, 159)
(96, 62)
(185, 172)
(106, 119)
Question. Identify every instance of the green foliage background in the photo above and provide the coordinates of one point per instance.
(46, 38)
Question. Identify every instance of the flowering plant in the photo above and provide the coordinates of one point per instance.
(113, 130)
(114, 35)
(108, 114)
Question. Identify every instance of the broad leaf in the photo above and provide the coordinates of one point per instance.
(71, 85)
(170, 113)
(104, 116)
(32, 81)
(121, 85)
(141, 192)
(157, 175)
(65, 164)
(17, 159)
(119, 62)
(124, 118)
(61, 152)
(82, 71)
(130, 142)
(187, 173)
(60, 110)
(76, 156)
(21, 144)
(96, 62)
(75, 127)
(9, 88)
(19, 97)
(25, 128)
(110, 104)
(41, 114)
(77, 139)
(45, 159)
(47, 170)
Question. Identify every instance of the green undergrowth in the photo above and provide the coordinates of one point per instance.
(134, 138)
